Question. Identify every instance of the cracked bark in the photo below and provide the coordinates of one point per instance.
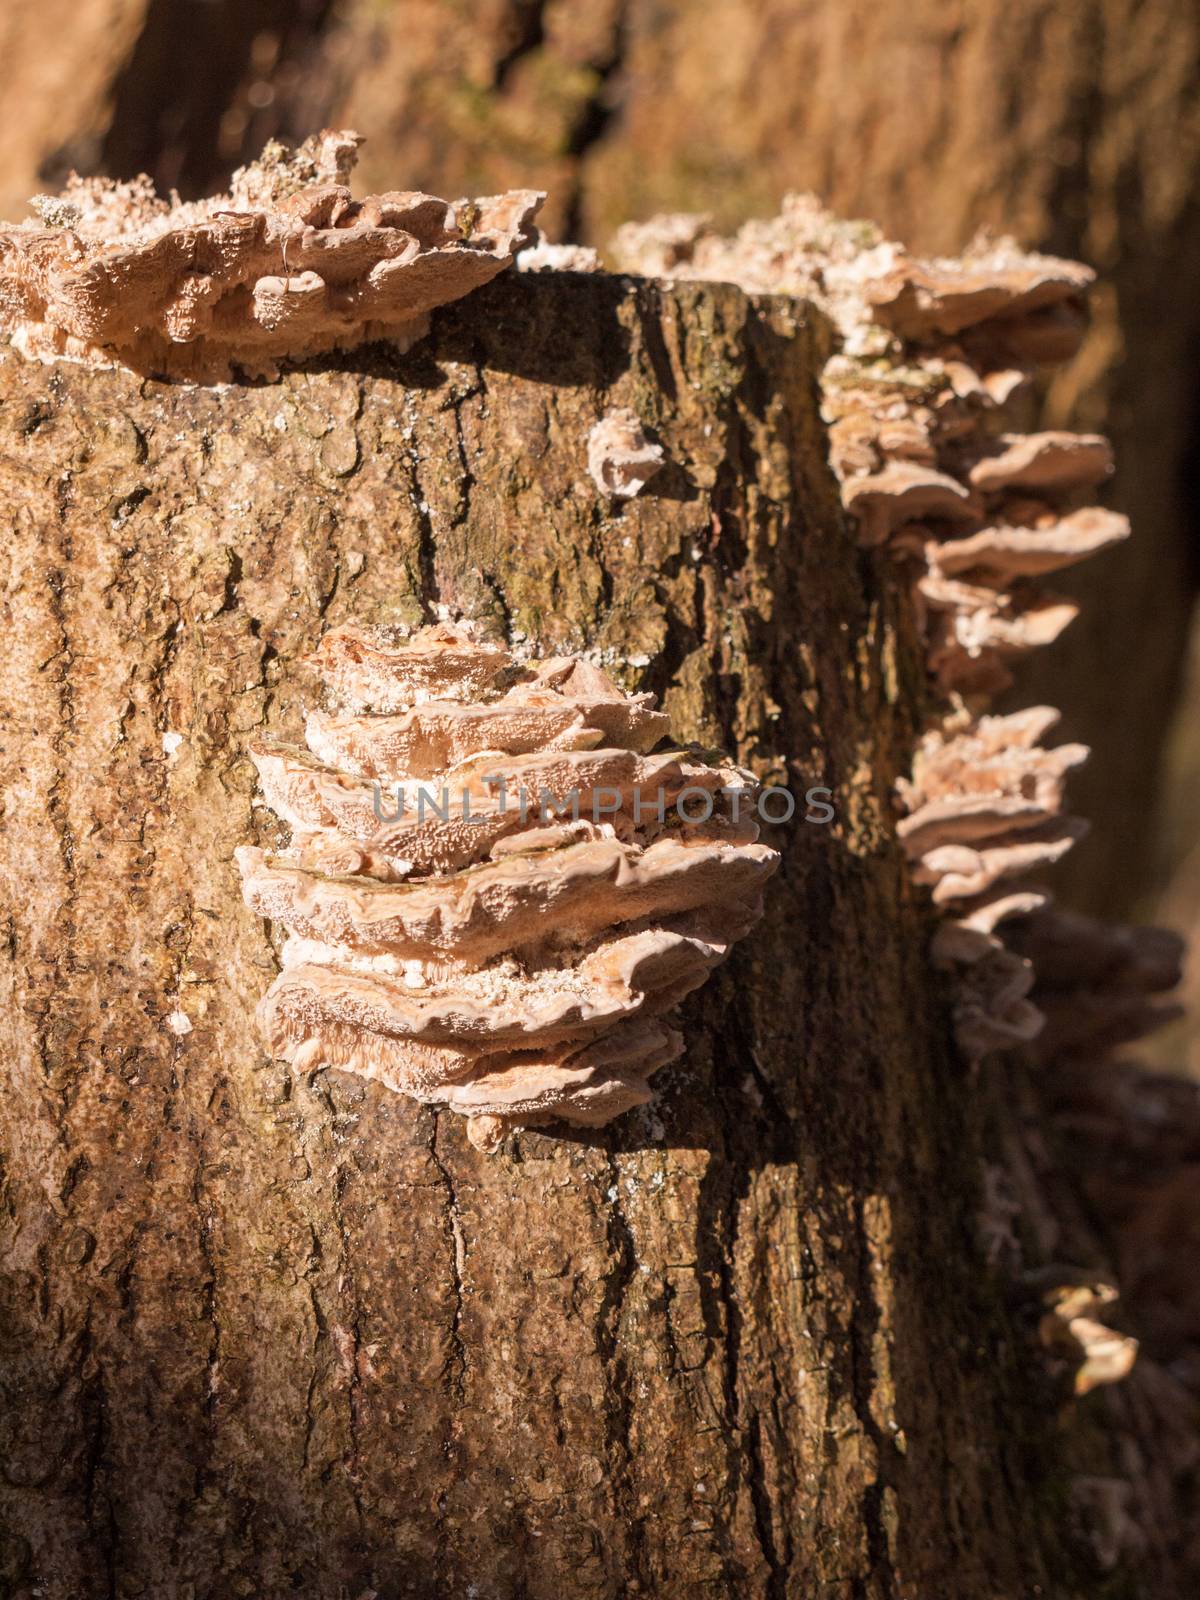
(270, 1336)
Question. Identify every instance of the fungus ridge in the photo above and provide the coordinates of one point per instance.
(492, 901)
(287, 265)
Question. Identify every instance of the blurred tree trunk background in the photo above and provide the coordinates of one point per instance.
(1075, 127)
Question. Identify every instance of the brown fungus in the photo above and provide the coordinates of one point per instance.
(993, 282)
(984, 808)
(492, 902)
(287, 265)
(1100, 984)
(1000, 555)
(904, 491)
(1054, 462)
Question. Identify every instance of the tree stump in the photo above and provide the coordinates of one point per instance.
(268, 1335)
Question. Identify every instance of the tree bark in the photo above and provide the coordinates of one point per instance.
(267, 1335)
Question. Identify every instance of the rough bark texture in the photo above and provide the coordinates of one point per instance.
(1077, 128)
(264, 1336)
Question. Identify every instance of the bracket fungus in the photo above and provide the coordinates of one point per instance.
(542, 256)
(1101, 985)
(984, 808)
(929, 360)
(1070, 1328)
(621, 458)
(451, 932)
(285, 266)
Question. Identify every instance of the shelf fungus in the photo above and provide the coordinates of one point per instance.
(498, 886)
(1070, 1329)
(285, 266)
(621, 458)
(1101, 985)
(925, 391)
(984, 809)
(930, 360)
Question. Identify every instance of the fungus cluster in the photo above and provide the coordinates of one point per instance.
(984, 808)
(496, 888)
(932, 357)
(287, 265)
(921, 393)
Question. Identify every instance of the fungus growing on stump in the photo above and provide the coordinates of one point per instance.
(929, 359)
(285, 266)
(920, 391)
(496, 892)
(621, 457)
